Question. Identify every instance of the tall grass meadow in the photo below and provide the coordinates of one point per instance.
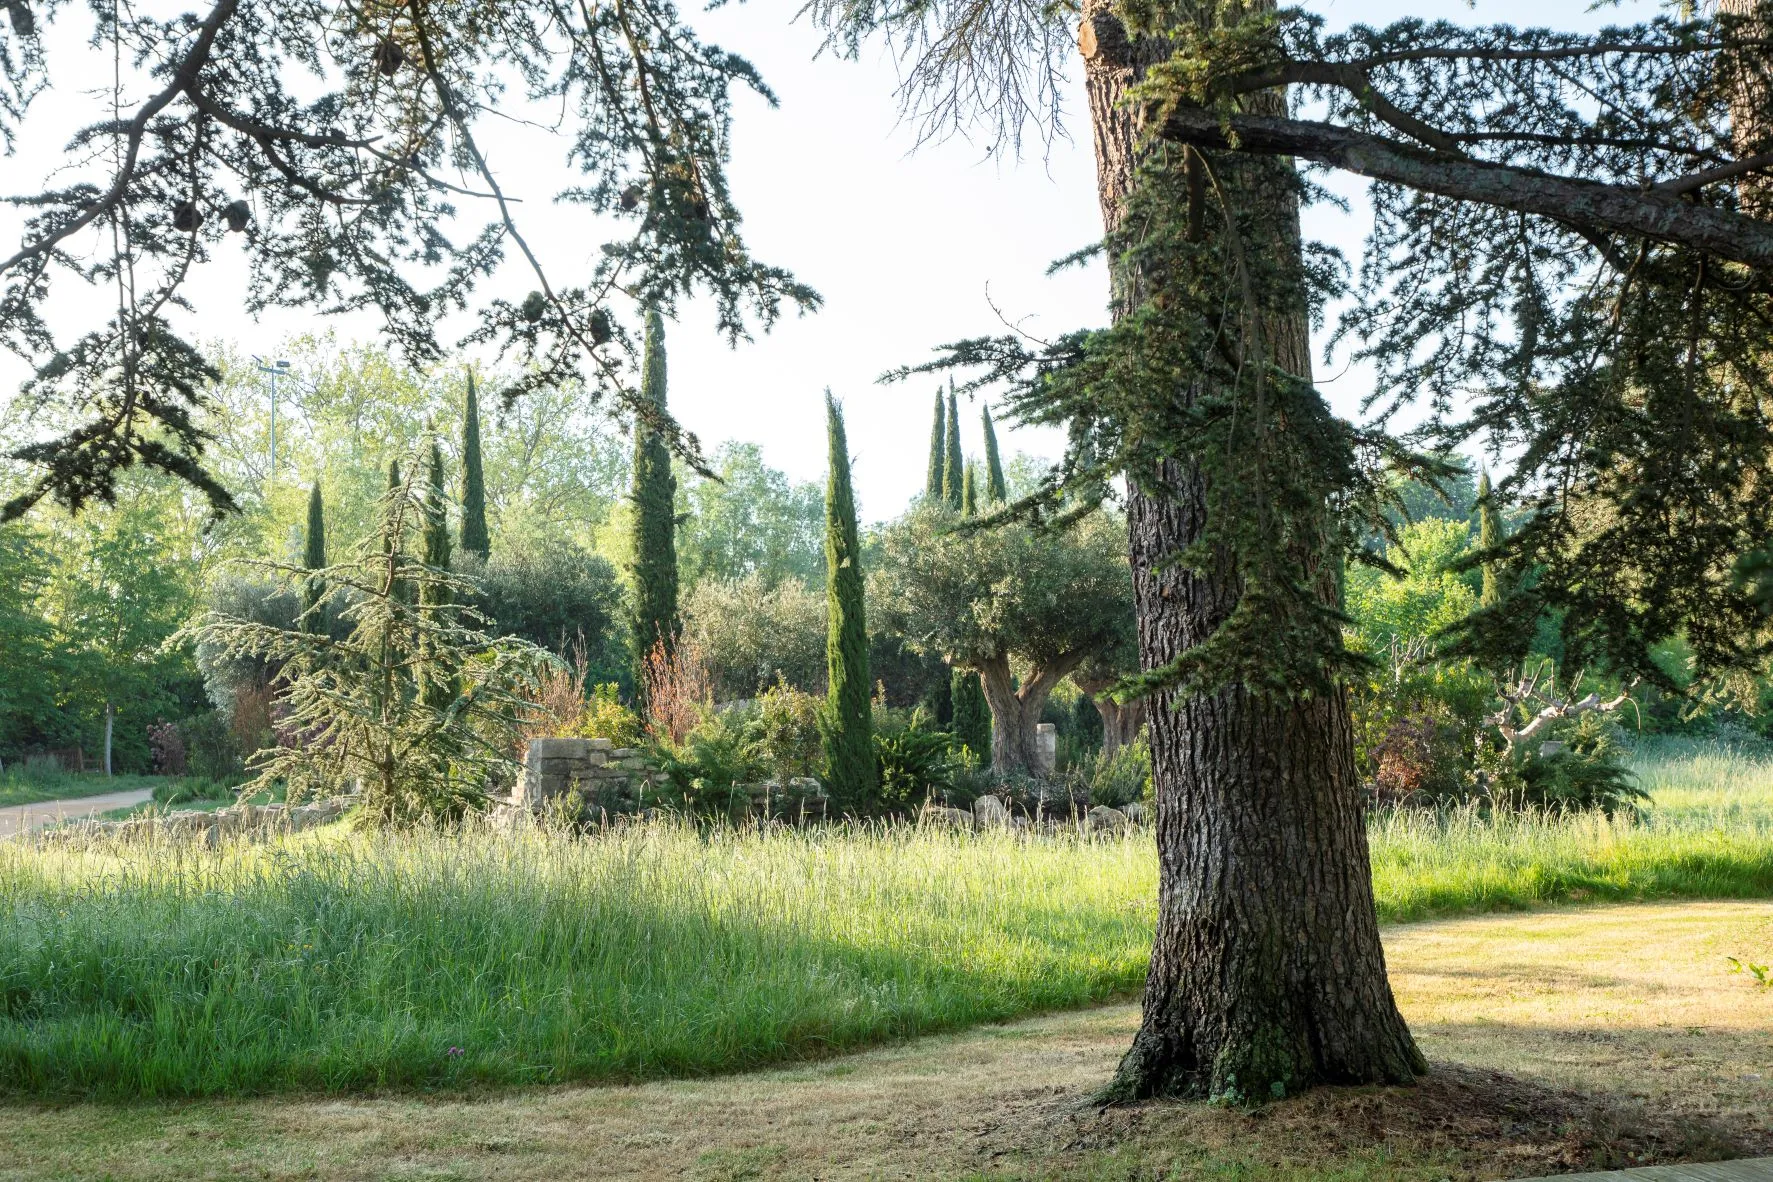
(348, 961)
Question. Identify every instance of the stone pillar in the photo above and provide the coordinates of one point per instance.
(554, 767)
(1046, 747)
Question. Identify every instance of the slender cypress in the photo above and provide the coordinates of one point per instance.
(969, 492)
(849, 740)
(1490, 536)
(399, 589)
(475, 538)
(314, 560)
(997, 490)
(654, 570)
(436, 682)
(932, 481)
(437, 546)
(972, 714)
(953, 465)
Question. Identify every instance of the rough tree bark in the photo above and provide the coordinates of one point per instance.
(1016, 712)
(1267, 974)
(1750, 129)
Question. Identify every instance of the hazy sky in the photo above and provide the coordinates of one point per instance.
(910, 249)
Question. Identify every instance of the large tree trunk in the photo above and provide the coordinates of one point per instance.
(1015, 713)
(1267, 974)
(1751, 127)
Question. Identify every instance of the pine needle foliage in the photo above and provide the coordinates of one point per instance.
(849, 743)
(476, 540)
(653, 575)
(242, 126)
(314, 561)
(1571, 265)
(419, 707)
(932, 481)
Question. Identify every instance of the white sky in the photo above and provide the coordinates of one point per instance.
(909, 249)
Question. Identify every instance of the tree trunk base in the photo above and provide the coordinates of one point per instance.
(1267, 972)
(1259, 1062)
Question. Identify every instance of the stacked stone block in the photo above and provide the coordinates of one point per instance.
(607, 779)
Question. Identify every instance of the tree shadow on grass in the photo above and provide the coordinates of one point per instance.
(1459, 1121)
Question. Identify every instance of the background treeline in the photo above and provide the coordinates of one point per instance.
(974, 637)
(89, 606)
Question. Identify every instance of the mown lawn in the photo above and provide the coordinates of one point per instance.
(346, 962)
(1570, 1039)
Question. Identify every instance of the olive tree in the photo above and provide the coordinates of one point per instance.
(1022, 604)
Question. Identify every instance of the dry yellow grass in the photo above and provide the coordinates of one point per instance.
(1635, 1000)
(1564, 1039)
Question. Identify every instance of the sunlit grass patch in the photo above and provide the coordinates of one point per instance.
(348, 961)
(341, 961)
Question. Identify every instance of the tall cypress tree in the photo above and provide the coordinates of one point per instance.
(437, 683)
(972, 714)
(953, 464)
(475, 538)
(996, 489)
(849, 739)
(437, 547)
(932, 481)
(314, 560)
(969, 492)
(1489, 537)
(654, 570)
(395, 485)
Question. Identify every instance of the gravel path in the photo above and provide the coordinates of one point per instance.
(20, 817)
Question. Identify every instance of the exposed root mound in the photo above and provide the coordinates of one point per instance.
(1484, 1124)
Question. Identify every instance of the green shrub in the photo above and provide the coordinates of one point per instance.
(212, 751)
(1418, 727)
(605, 717)
(916, 760)
(705, 773)
(1579, 766)
(785, 732)
(1116, 779)
(556, 596)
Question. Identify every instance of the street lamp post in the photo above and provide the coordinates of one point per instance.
(277, 369)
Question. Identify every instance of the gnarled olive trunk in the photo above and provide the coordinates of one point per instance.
(1120, 721)
(1267, 974)
(1015, 712)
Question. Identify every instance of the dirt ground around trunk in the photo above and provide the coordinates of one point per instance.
(1563, 1040)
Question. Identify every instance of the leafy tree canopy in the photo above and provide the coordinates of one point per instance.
(753, 520)
(1046, 597)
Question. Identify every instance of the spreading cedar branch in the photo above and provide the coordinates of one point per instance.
(1570, 264)
(336, 145)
